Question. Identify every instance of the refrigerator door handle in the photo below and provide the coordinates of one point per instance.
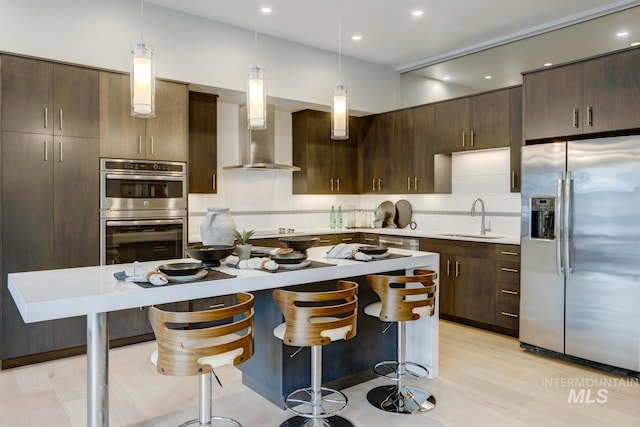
(566, 232)
(559, 225)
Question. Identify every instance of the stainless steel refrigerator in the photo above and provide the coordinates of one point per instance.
(580, 237)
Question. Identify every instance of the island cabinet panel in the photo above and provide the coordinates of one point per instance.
(48, 98)
(163, 137)
(593, 96)
(274, 370)
(49, 221)
(203, 143)
(327, 166)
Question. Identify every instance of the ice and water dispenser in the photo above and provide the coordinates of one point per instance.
(543, 217)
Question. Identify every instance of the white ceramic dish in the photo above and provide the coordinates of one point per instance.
(298, 266)
(384, 255)
(198, 275)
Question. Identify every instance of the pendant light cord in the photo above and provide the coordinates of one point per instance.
(339, 41)
(142, 21)
(255, 40)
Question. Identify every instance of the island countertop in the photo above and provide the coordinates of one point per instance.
(55, 294)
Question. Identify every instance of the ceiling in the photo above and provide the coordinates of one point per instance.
(465, 39)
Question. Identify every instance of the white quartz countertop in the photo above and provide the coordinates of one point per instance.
(402, 232)
(55, 294)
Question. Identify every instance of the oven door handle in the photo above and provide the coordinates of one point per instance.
(121, 223)
(144, 177)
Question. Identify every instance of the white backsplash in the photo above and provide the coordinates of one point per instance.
(262, 199)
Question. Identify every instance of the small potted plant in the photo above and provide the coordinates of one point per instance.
(243, 247)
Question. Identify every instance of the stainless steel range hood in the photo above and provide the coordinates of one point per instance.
(257, 148)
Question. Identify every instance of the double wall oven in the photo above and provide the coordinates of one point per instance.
(143, 210)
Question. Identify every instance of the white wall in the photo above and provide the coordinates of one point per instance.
(100, 33)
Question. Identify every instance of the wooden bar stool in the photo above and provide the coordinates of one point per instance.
(189, 343)
(402, 299)
(315, 319)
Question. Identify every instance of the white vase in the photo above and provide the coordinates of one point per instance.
(217, 227)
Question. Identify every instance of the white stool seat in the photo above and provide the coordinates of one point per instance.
(335, 334)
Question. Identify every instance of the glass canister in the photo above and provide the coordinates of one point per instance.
(217, 227)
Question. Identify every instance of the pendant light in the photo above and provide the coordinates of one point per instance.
(256, 93)
(143, 76)
(340, 104)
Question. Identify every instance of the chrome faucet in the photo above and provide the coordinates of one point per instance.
(483, 229)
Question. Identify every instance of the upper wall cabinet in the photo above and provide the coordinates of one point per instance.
(327, 166)
(592, 96)
(163, 137)
(474, 123)
(46, 98)
(203, 143)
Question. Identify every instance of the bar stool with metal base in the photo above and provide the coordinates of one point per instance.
(197, 342)
(400, 303)
(316, 319)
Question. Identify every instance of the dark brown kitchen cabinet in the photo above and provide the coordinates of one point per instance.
(163, 137)
(592, 96)
(516, 139)
(203, 143)
(419, 154)
(50, 220)
(473, 123)
(327, 166)
(46, 98)
(507, 289)
(467, 279)
(382, 153)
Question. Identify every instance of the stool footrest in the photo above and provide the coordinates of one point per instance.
(392, 370)
(401, 400)
(300, 402)
(221, 419)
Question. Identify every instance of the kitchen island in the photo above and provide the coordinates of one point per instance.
(93, 292)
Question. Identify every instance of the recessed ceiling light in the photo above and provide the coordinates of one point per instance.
(488, 77)
(417, 12)
(548, 64)
(266, 10)
(356, 37)
(635, 44)
(622, 33)
(446, 77)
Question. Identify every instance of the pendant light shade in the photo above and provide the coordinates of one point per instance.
(143, 82)
(340, 113)
(256, 100)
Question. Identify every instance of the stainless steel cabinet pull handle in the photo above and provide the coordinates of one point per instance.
(513, 179)
(457, 269)
(60, 151)
(331, 181)
(504, 313)
(415, 183)
(46, 117)
(504, 291)
(217, 305)
(448, 268)
(151, 145)
(373, 187)
(472, 138)
(575, 118)
(338, 183)
(324, 241)
(463, 139)
(408, 183)
(510, 270)
(347, 239)
(213, 181)
(379, 184)
(46, 150)
(139, 144)
(60, 117)
(590, 116)
(368, 239)
(509, 253)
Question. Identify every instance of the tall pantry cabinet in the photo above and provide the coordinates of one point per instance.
(50, 187)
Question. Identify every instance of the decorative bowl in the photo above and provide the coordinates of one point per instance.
(289, 258)
(210, 255)
(372, 250)
(181, 268)
(300, 243)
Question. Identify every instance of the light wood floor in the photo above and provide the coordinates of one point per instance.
(485, 379)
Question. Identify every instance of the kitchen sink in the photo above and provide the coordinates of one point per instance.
(472, 236)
